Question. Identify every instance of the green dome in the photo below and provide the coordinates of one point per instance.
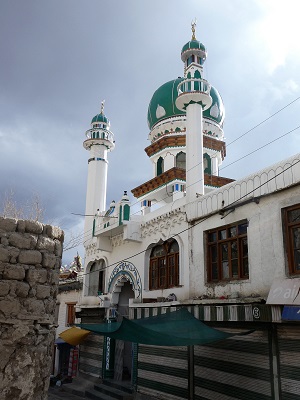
(100, 118)
(162, 104)
(193, 44)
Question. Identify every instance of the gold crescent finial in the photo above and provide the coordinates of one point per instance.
(102, 107)
(194, 24)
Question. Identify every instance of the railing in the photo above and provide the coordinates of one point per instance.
(193, 85)
(99, 134)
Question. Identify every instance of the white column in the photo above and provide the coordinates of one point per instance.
(214, 166)
(96, 187)
(194, 152)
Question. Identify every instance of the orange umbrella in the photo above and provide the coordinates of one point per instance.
(74, 336)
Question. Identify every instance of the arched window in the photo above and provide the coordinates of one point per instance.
(197, 85)
(189, 85)
(181, 160)
(160, 166)
(96, 278)
(164, 266)
(206, 164)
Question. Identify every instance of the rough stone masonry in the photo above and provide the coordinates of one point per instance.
(30, 258)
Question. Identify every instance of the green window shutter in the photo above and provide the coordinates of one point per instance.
(126, 212)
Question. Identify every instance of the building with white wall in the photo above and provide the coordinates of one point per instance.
(211, 244)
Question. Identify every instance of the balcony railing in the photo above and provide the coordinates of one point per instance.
(193, 85)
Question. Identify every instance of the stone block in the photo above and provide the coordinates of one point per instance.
(33, 227)
(49, 260)
(34, 276)
(14, 271)
(21, 226)
(54, 232)
(13, 254)
(19, 241)
(4, 241)
(8, 224)
(50, 306)
(22, 289)
(42, 291)
(35, 306)
(10, 307)
(31, 257)
(45, 243)
(5, 352)
(4, 254)
(4, 289)
(58, 248)
(53, 277)
(33, 239)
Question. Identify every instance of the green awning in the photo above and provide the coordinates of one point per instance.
(178, 328)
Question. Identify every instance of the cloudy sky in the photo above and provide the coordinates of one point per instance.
(60, 58)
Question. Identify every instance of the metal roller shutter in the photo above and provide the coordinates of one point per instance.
(91, 351)
(236, 368)
(289, 361)
(163, 372)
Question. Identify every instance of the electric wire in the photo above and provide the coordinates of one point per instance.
(87, 234)
(238, 138)
(201, 220)
(235, 140)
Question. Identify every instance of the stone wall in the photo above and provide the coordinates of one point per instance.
(30, 258)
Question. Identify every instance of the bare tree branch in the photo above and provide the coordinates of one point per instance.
(33, 209)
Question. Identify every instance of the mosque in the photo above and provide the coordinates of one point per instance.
(227, 251)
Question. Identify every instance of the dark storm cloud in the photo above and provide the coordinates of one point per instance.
(60, 58)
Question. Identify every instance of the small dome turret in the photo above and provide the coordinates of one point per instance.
(100, 120)
(99, 133)
(193, 50)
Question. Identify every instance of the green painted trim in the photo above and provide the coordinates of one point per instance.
(93, 356)
(89, 368)
(228, 390)
(245, 347)
(94, 227)
(163, 387)
(169, 352)
(126, 212)
(159, 166)
(163, 369)
(208, 169)
(233, 367)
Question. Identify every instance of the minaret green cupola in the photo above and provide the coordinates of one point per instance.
(99, 140)
(193, 51)
(194, 97)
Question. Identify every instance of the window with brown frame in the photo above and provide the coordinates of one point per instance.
(291, 221)
(227, 253)
(164, 266)
(70, 318)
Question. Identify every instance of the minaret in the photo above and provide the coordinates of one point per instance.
(99, 140)
(194, 97)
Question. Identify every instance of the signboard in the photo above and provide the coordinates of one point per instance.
(291, 313)
(285, 292)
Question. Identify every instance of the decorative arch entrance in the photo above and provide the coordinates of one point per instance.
(124, 284)
(123, 272)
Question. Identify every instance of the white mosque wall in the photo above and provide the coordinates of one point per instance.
(274, 188)
(258, 199)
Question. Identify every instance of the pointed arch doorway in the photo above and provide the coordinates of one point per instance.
(123, 350)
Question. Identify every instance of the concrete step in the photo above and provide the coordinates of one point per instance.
(95, 395)
(110, 390)
(124, 386)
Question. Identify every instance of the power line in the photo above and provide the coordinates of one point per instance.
(202, 219)
(267, 144)
(242, 135)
